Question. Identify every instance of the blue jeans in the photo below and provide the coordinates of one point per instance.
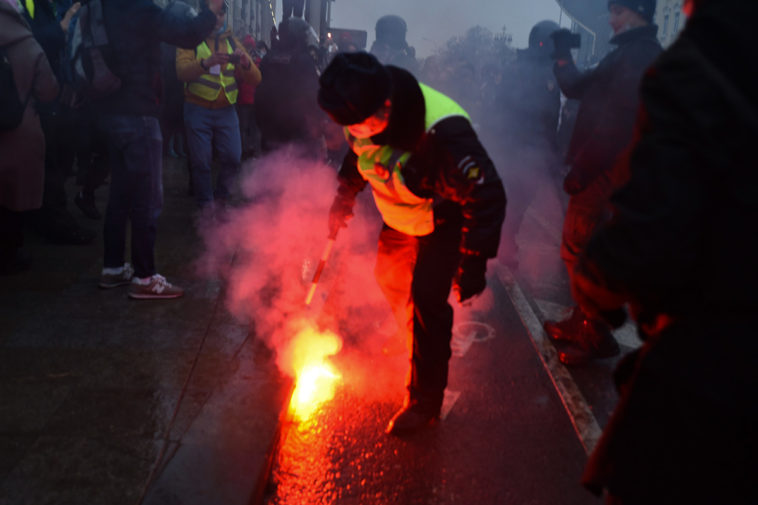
(136, 191)
(206, 129)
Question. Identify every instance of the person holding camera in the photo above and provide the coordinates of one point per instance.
(210, 72)
(609, 99)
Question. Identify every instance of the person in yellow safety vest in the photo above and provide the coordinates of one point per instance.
(441, 200)
(210, 73)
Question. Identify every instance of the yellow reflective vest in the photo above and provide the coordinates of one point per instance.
(208, 86)
(381, 167)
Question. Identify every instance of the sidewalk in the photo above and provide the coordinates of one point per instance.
(107, 400)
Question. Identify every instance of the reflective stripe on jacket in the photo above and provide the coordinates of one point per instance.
(208, 86)
(381, 167)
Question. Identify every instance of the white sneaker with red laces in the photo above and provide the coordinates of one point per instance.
(153, 288)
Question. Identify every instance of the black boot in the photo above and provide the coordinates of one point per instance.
(414, 416)
(568, 329)
(595, 342)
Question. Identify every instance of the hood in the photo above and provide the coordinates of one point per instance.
(13, 27)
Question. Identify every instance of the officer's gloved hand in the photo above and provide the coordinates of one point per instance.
(563, 40)
(340, 213)
(470, 281)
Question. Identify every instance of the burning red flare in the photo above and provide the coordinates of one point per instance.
(315, 378)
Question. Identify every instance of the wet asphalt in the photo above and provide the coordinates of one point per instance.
(111, 401)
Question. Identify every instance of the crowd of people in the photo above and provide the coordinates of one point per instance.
(651, 147)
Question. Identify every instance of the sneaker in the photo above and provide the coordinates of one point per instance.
(595, 342)
(413, 417)
(108, 281)
(157, 288)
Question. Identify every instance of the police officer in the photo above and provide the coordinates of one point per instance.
(527, 105)
(440, 198)
(390, 46)
(604, 124)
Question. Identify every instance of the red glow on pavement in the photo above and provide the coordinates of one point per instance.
(315, 378)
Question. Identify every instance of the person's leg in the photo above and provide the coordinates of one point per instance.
(145, 168)
(119, 134)
(436, 265)
(229, 147)
(199, 127)
(395, 260)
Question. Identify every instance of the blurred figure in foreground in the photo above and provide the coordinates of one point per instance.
(441, 201)
(681, 250)
(604, 125)
(22, 165)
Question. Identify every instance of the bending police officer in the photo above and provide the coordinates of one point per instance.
(440, 198)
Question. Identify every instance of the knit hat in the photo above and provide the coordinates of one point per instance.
(645, 8)
(353, 87)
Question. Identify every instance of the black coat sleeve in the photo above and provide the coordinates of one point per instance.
(572, 82)
(468, 177)
(172, 25)
(350, 181)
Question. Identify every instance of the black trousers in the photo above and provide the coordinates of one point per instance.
(415, 275)
(292, 8)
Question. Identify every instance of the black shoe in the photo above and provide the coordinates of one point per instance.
(413, 417)
(568, 329)
(595, 342)
(87, 206)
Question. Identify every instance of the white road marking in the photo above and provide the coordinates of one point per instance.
(468, 332)
(584, 422)
(448, 402)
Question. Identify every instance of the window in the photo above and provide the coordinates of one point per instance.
(676, 22)
(665, 25)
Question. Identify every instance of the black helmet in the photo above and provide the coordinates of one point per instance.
(539, 37)
(391, 29)
(293, 32)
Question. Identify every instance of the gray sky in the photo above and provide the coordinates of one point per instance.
(432, 22)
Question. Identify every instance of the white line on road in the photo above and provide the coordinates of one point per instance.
(584, 422)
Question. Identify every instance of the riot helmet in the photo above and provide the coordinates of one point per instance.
(391, 30)
(540, 42)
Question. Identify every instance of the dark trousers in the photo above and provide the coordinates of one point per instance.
(292, 8)
(136, 190)
(415, 275)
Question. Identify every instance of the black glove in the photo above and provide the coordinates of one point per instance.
(340, 213)
(564, 40)
(469, 281)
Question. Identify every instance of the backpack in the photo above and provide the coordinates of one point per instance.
(11, 107)
(87, 48)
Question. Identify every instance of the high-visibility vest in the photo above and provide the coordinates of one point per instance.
(208, 86)
(381, 167)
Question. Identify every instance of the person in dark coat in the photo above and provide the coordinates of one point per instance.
(22, 163)
(681, 250)
(49, 21)
(604, 124)
(130, 119)
(286, 109)
(441, 201)
(527, 107)
(390, 46)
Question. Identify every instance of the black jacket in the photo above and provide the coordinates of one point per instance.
(609, 99)
(135, 30)
(436, 168)
(286, 108)
(683, 242)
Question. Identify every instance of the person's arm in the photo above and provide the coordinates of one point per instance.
(246, 69)
(573, 83)
(470, 179)
(350, 183)
(188, 67)
(614, 126)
